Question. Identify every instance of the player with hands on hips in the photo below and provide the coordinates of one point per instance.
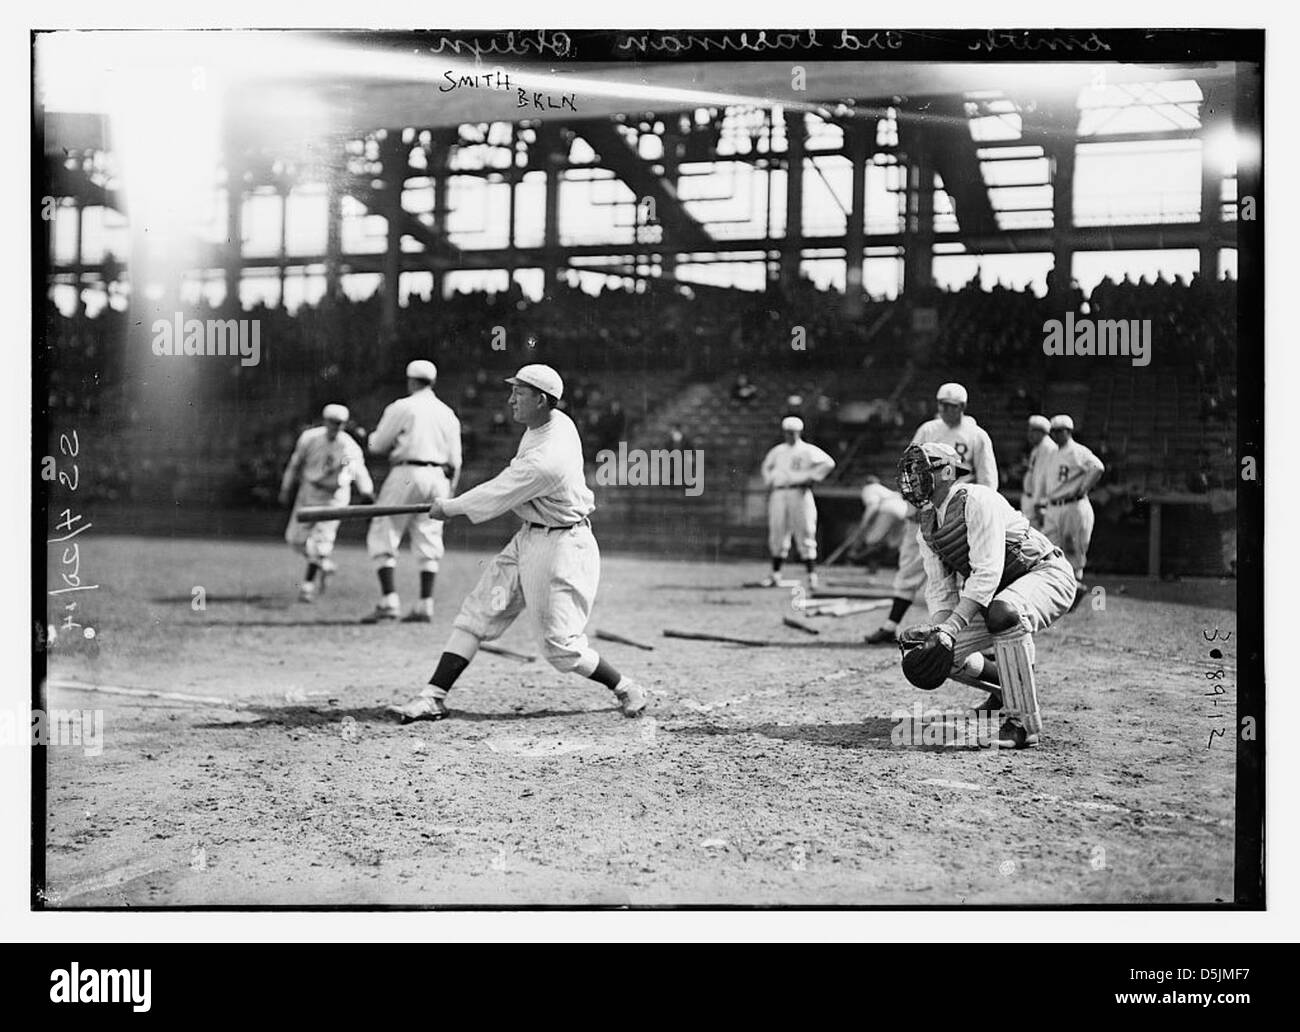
(974, 450)
(790, 470)
(550, 567)
(325, 465)
(991, 580)
(1071, 472)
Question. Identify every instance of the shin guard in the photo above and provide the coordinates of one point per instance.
(1014, 651)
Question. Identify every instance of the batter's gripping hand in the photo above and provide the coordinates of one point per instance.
(927, 656)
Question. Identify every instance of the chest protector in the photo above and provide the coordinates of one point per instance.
(1024, 550)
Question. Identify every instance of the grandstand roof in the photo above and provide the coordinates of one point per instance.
(290, 87)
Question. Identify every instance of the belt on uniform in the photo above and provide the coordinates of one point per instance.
(562, 526)
(1068, 501)
(418, 462)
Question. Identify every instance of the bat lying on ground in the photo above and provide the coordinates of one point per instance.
(697, 636)
(501, 650)
(611, 636)
(841, 606)
(799, 625)
(316, 513)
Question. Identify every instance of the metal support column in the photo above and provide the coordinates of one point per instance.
(792, 246)
(857, 139)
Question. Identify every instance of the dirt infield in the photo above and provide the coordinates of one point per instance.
(760, 775)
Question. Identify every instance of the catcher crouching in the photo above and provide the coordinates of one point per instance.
(992, 580)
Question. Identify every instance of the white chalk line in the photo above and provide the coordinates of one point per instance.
(145, 693)
(107, 880)
(1084, 804)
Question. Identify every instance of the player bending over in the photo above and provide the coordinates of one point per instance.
(325, 463)
(991, 580)
(551, 566)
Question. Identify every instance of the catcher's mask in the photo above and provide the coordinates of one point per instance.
(916, 475)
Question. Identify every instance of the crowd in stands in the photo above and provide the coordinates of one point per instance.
(328, 350)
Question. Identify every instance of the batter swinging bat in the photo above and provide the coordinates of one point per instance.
(316, 513)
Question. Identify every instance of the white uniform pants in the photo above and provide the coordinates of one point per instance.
(1069, 528)
(909, 581)
(407, 485)
(314, 540)
(1041, 597)
(551, 573)
(885, 527)
(792, 514)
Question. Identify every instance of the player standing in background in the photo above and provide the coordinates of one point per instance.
(420, 435)
(1072, 472)
(975, 453)
(991, 580)
(326, 462)
(789, 470)
(1041, 449)
(552, 564)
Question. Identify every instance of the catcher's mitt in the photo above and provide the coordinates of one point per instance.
(927, 658)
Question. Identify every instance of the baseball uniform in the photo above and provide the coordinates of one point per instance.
(551, 566)
(884, 516)
(791, 508)
(975, 451)
(1034, 487)
(995, 534)
(1068, 521)
(324, 471)
(420, 434)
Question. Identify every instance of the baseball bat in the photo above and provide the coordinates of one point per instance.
(611, 636)
(500, 650)
(316, 513)
(698, 636)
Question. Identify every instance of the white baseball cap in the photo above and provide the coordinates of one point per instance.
(422, 369)
(335, 413)
(792, 423)
(542, 377)
(953, 393)
(1062, 422)
(1039, 423)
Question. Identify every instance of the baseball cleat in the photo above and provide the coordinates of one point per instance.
(632, 699)
(306, 593)
(327, 570)
(381, 614)
(882, 636)
(1014, 736)
(418, 616)
(423, 708)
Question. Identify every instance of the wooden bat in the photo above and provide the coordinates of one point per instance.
(500, 650)
(316, 513)
(799, 625)
(697, 636)
(611, 636)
